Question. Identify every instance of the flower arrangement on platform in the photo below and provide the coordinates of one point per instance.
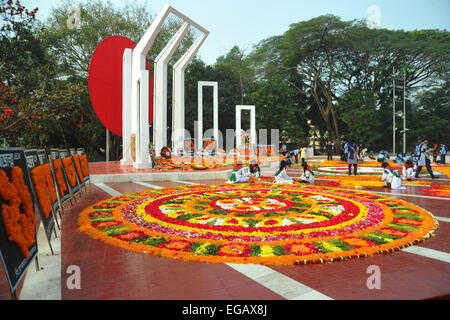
(20, 226)
(254, 223)
(442, 191)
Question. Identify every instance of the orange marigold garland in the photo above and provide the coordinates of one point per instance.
(78, 167)
(67, 162)
(254, 223)
(84, 165)
(39, 176)
(57, 166)
(20, 226)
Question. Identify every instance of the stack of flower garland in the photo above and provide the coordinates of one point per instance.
(254, 223)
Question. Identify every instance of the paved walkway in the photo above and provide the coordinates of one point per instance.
(107, 272)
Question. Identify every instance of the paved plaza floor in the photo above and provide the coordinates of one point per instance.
(108, 272)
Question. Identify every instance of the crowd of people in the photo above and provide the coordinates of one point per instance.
(241, 174)
(353, 153)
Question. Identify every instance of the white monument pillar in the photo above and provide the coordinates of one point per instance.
(136, 93)
(160, 88)
(126, 107)
(239, 109)
(178, 90)
(213, 84)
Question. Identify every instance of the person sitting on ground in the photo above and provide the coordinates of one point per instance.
(391, 177)
(308, 174)
(238, 175)
(281, 176)
(408, 171)
(255, 170)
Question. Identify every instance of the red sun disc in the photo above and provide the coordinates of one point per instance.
(105, 82)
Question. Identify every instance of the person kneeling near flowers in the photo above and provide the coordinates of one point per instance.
(281, 176)
(255, 170)
(408, 171)
(238, 175)
(391, 177)
(308, 174)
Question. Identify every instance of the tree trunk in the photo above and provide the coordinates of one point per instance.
(63, 136)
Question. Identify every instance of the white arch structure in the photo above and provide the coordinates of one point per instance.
(239, 109)
(213, 84)
(136, 93)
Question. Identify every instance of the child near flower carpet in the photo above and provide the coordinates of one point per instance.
(238, 175)
(408, 171)
(391, 177)
(255, 170)
(308, 174)
(281, 176)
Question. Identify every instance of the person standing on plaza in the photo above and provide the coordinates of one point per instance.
(330, 151)
(443, 153)
(424, 159)
(303, 155)
(346, 147)
(352, 158)
(296, 155)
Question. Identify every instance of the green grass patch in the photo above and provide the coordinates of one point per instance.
(402, 226)
(252, 222)
(279, 250)
(256, 250)
(412, 216)
(152, 241)
(245, 214)
(320, 214)
(218, 211)
(189, 216)
(274, 214)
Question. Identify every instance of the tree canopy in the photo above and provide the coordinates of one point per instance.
(326, 73)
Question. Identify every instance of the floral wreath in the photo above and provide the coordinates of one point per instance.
(166, 153)
(20, 226)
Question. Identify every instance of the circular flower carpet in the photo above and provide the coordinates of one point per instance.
(257, 223)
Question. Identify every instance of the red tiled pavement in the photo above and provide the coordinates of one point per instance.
(403, 276)
(109, 272)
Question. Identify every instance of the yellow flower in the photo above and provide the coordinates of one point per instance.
(331, 247)
(266, 251)
(202, 249)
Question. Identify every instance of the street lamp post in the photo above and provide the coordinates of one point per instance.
(404, 113)
(400, 113)
(393, 112)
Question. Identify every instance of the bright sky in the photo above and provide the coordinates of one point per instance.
(246, 22)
